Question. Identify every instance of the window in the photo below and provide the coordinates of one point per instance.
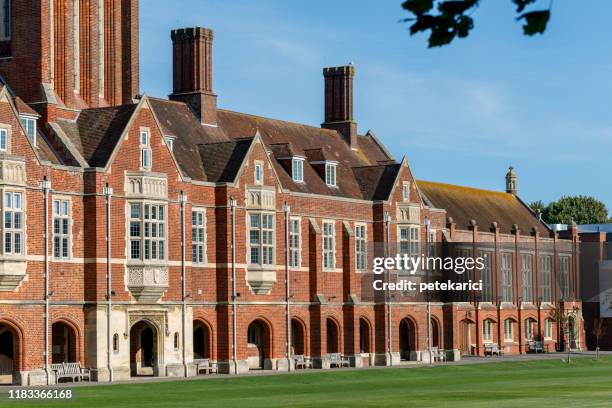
(5, 31)
(529, 329)
(485, 275)
(546, 275)
(361, 254)
(564, 277)
(548, 329)
(147, 232)
(527, 277)
(169, 142)
(258, 173)
(432, 243)
(409, 242)
(3, 140)
(29, 125)
(145, 150)
(176, 341)
(13, 223)
(297, 169)
(406, 191)
(329, 246)
(506, 267)
(115, 342)
(261, 239)
(330, 174)
(198, 236)
(508, 330)
(487, 330)
(61, 229)
(294, 243)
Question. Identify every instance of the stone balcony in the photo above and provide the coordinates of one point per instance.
(147, 283)
(261, 279)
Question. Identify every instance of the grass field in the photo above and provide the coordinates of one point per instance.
(545, 383)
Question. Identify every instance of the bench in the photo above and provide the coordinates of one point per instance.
(536, 347)
(204, 364)
(301, 362)
(437, 354)
(491, 349)
(338, 360)
(74, 371)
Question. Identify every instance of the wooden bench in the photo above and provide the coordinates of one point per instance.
(491, 349)
(437, 354)
(536, 347)
(338, 360)
(74, 371)
(301, 362)
(204, 364)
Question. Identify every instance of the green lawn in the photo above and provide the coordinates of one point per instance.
(550, 383)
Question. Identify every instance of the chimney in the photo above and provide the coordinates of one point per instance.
(339, 102)
(511, 181)
(192, 72)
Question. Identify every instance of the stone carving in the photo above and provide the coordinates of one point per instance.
(408, 213)
(12, 272)
(147, 282)
(145, 185)
(261, 197)
(261, 280)
(12, 170)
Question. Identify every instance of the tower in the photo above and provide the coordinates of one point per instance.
(511, 181)
(70, 53)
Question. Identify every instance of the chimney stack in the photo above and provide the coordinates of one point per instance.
(192, 72)
(339, 102)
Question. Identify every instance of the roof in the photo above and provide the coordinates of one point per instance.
(24, 109)
(464, 204)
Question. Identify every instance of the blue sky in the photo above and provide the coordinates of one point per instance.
(461, 113)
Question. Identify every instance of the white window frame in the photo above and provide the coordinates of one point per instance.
(486, 276)
(29, 126)
(546, 277)
(295, 242)
(529, 331)
(548, 329)
(264, 246)
(4, 140)
(508, 330)
(329, 245)
(564, 277)
(198, 236)
(487, 330)
(361, 247)
(409, 240)
(170, 142)
(297, 169)
(406, 191)
(507, 278)
(153, 234)
(527, 277)
(331, 174)
(258, 172)
(62, 228)
(146, 155)
(13, 210)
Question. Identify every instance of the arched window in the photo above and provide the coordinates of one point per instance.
(548, 329)
(5, 20)
(115, 342)
(487, 330)
(508, 330)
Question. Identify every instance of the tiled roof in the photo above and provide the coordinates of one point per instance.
(23, 108)
(222, 160)
(464, 204)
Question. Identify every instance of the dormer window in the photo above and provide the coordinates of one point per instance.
(145, 150)
(258, 173)
(170, 142)
(29, 125)
(3, 140)
(330, 174)
(297, 169)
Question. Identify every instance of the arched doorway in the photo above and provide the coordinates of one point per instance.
(364, 336)
(258, 350)
(297, 337)
(63, 343)
(333, 344)
(143, 349)
(9, 353)
(435, 333)
(465, 334)
(201, 340)
(407, 337)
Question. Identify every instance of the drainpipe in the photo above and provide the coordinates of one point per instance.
(387, 219)
(46, 186)
(287, 209)
(183, 200)
(427, 224)
(232, 204)
(108, 192)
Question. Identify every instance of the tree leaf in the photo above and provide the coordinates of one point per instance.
(521, 4)
(418, 7)
(535, 21)
(455, 7)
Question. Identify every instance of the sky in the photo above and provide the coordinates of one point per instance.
(461, 113)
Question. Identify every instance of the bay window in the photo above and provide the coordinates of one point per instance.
(294, 242)
(198, 237)
(360, 247)
(147, 232)
(61, 229)
(13, 223)
(329, 245)
(261, 239)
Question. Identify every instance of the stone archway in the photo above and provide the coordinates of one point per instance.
(202, 340)
(333, 338)
(9, 353)
(298, 343)
(365, 344)
(63, 343)
(435, 333)
(144, 349)
(407, 338)
(258, 344)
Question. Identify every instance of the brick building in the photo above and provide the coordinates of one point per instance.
(143, 233)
